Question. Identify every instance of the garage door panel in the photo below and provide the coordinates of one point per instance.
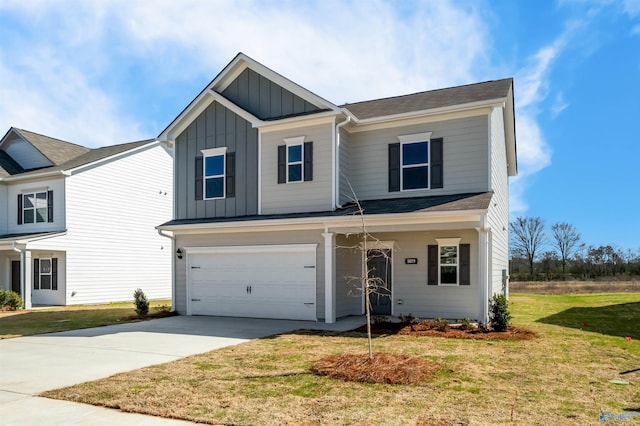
(258, 281)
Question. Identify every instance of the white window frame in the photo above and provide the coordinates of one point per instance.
(35, 206)
(412, 139)
(214, 152)
(45, 274)
(449, 242)
(290, 142)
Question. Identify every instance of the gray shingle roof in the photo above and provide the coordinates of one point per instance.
(101, 153)
(432, 99)
(56, 150)
(440, 203)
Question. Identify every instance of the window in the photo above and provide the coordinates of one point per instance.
(45, 274)
(295, 160)
(449, 263)
(294, 163)
(35, 207)
(415, 165)
(214, 173)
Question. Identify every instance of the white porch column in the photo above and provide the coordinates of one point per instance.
(26, 277)
(329, 277)
(483, 272)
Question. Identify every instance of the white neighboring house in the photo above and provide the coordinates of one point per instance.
(77, 224)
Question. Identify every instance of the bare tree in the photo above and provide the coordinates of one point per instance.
(527, 237)
(567, 240)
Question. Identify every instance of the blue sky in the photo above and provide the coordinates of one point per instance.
(105, 72)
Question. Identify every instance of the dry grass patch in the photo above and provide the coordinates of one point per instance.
(560, 378)
(385, 368)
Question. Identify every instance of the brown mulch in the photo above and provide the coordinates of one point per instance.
(512, 333)
(385, 368)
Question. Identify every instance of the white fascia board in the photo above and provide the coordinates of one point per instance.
(9, 243)
(199, 104)
(34, 176)
(435, 114)
(327, 117)
(255, 121)
(326, 222)
(112, 157)
(268, 248)
(242, 62)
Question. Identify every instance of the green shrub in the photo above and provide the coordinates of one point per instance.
(467, 324)
(439, 324)
(499, 316)
(380, 319)
(141, 303)
(409, 319)
(10, 300)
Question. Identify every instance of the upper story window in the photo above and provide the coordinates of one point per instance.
(295, 160)
(214, 173)
(35, 207)
(295, 166)
(415, 163)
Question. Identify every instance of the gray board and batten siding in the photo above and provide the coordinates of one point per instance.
(264, 98)
(217, 127)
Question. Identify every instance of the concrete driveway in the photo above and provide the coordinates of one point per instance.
(31, 365)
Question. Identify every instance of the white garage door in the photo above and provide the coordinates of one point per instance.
(254, 281)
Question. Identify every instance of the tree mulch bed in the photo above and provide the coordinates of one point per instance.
(384, 368)
(452, 332)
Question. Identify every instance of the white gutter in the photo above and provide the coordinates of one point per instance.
(173, 275)
(28, 175)
(337, 164)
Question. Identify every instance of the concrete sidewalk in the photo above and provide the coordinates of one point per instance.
(31, 365)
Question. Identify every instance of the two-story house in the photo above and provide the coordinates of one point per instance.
(77, 225)
(266, 174)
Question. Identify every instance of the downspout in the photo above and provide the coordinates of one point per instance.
(337, 184)
(173, 274)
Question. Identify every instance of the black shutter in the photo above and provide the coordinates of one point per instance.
(230, 175)
(36, 275)
(394, 167)
(436, 163)
(198, 181)
(308, 161)
(19, 209)
(49, 206)
(465, 264)
(432, 265)
(54, 273)
(282, 164)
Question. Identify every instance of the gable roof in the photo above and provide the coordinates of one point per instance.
(213, 93)
(56, 150)
(87, 156)
(432, 99)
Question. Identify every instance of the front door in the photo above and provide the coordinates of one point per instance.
(15, 276)
(379, 265)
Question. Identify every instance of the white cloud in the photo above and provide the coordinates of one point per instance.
(559, 105)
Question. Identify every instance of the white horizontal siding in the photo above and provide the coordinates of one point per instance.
(299, 196)
(111, 244)
(4, 209)
(465, 158)
(498, 215)
(345, 194)
(250, 239)
(56, 185)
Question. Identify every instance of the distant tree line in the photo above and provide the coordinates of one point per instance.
(538, 255)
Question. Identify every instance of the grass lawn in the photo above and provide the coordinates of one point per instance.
(63, 318)
(560, 378)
